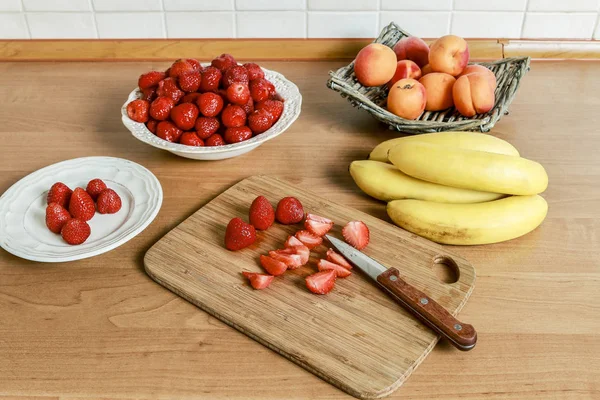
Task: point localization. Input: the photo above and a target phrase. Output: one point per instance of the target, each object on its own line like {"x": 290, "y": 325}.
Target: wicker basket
{"x": 508, "y": 71}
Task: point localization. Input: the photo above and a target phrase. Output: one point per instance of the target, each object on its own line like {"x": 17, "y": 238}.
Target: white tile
{"x": 481, "y": 24}
{"x": 341, "y": 5}
{"x": 267, "y": 5}
{"x": 13, "y": 26}
{"x": 496, "y": 5}
{"x": 559, "y": 26}
{"x": 424, "y": 24}
{"x": 198, "y": 5}
{"x": 200, "y": 25}
{"x": 271, "y": 24}
{"x": 57, "y": 5}
{"x": 342, "y": 25}
{"x": 597, "y": 32}
{"x": 129, "y": 5}
{"x": 10, "y": 5}
{"x": 570, "y": 5}
{"x": 124, "y": 25}
{"x": 61, "y": 25}
{"x": 432, "y": 5}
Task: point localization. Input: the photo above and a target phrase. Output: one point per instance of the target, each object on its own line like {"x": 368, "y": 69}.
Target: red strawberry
{"x": 233, "y": 116}
{"x": 340, "y": 271}
{"x": 292, "y": 261}
{"x": 191, "y": 139}
{"x": 259, "y": 89}
{"x": 235, "y": 73}
{"x": 149, "y": 94}
{"x": 190, "y": 98}
{"x": 262, "y": 214}
{"x": 258, "y": 281}
{"x": 168, "y": 88}
{"x": 321, "y": 282}
{"x": 95, "y": 187}
{"x": 138, "y": 109}
{"x": 356, "y": 234}
{"x": 260, "y": 121}
{"x": 151, "y": 125}
{"x": 207, "y": 126}
{"x": 236, "y": 135}
{"x": 166, "y": 130}
{"x": 211, "y": 77}
{"x": 109, "y": 202}
{"x": 249, "y": 106}
{"x": 289, "y": 211}
{"x": 338, "y": 259}
{"x": 81, "y": 205}
{"x": 210, "y": 104}
{"x": 272, "y": 266}
{"x": 308, "y": 239}
{"x": 274, "y": 107}
{"x": 56, "y": 217}
{"x": 181, "y": 67}
{"x": 190, "y": 82}
{"x": 59, "y": 193}
{"x": 303, "y": 252}
{"x": 317, "y": 225}
{"x": 150, "y": 79}
{"x": 293, "y": 241}
{"x": 161, "y": 108}
{"x": 195, "y": 64}
{"x": 75, "y": 231}
{"x": 239, "y": 234}
{"x": 223, "y": 62}
{"x": 254, "y": 71}
{"x": 238, "y": 93}
{"x": 184, "y": 115}
{"x": 215, "y": 140}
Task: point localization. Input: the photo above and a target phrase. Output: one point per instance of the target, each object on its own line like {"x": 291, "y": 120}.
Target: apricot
{"x": 407, "y": 99}
{"x": 375, "y": 65}
{"x": 405, "y": 69}
{"x": 439, "y": 90}
{"x": 449, "y": 54}
{"x": 414, "y": 49}
{"x": 471, "y": 69}
{"x": 473, "y": 94}
{"x": 426, "y": 70}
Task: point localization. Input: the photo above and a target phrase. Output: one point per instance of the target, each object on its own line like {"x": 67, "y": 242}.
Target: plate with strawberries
{"x": 78, "y": 209}
{"x": 211, "y": 111}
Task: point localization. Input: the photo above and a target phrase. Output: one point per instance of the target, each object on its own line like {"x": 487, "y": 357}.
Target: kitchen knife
{"x": 461, "y": 335}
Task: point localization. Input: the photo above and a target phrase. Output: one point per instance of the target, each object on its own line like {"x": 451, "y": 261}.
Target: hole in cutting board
{"x": 445, "y": 269}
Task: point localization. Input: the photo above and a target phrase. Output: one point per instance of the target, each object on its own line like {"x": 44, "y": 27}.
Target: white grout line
{"x": 164, "y": 19}
{"x": 451, "y": 17}
{"x": 523, "y": 22}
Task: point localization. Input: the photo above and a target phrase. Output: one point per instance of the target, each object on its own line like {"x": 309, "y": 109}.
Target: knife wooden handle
{"x": 461, "y": 335}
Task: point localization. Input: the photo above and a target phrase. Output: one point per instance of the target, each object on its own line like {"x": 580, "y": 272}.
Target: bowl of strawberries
{"x": 211, "y": 111}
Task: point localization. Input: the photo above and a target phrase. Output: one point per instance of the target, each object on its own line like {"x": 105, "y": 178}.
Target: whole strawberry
{"x": 184, "y": 115}
{"x": 95, "y": 187}
{"x": 223, "y": 62}
{"x": 211, "y": 77}
{"x": 150, "y": 79}
{"x": 236, "y": 135}
{"x": 236, "y": 73}
{"x": 239, "y": 234}
{"x": 238, "y": 93}
{"x": 138, "y": 109}
{"x": 108, "y": 202}
{"x": 210, "y": 104}
{"x": 75, "y": 231}
{"x": 206, "y": 127}
{"x": 274, "y": 107}
{"x": 190, "y": 82}
{"x": 215, "y": 140}
{"x": 254, "y": 71}
{"x": 233, "y": 116}
{"x": 167, "y": 131}
{"x": 289, "y": 211}
{"x": 56, "y": 217}
{"x": 262, "y": 214}
{"x": 181, "y": 67}
{"x": 260, "y": 121}
{"x": 161, "y": 108}
{"x": 59, "y": 193}
{"x": 168, "y": 88}
{"x": 81, "y": 205}
{"x": 191, "y": 139}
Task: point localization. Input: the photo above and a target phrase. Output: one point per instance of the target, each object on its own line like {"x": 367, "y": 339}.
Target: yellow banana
{"x": 463, "y": 140}
{"x": 386, "y": 182}
{"x": 467, "y": 224}
{"x": 469, "y": 169}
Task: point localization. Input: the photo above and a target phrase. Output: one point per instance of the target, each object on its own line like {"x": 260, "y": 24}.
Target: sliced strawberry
{"x": 318, "y": 218}
{"x": 338, "y": 259}
{"x": 308, "y": 239}
{"x": 317, "y": 228}
{"x": 340, "y": 271}
{"x": 321, "y": 282}
{"x": 292, "y": 261}
{"x": 293, "y": 241}
{"x": 258, "y": 281}
{"x": 356, "y": 234}
{"x": 272, "y": 266}
{"x": 303, "y": 252}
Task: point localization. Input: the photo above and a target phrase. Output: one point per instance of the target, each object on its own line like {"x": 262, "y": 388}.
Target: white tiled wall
{"x": 110, "y": 19}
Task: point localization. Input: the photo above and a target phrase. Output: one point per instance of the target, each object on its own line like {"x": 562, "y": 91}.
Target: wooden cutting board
{"x": 355, "y": 337}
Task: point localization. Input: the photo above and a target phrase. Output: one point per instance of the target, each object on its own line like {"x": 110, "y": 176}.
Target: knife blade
{"x": 462, "y": 336}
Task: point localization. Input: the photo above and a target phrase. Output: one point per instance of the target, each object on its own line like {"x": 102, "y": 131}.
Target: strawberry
{"x": 254, "y": 71}
{"x": 207, "y": 126}
{"x": 274, "y": 107}
{"x": 211, "y": 77}
{"x": 191, "y": 139}
{"x": 321, "y": 282}
{"x": 293, "y": 241}
{"x": 233, "y": 116}
{"x": 210, "y": 104}
{"x": 262, "y": 214}
{"x": 308, "y": 239}
{"x": 190, "y": 82}
{"x": 340, "y": 271}
{"x": 292, "y": 261}
{"x": 190, "y": 98}
{"x": 184, "y": 115}
{"x": 149, "y": 94}
{"x": 109, "y": 202}
{"x": 75, "y": 231}
{"x": 138, "y": 109}
{"x": 56, "y": 217}
{"x": 238, "y": 93}
{"x": 151, "y": 125}
{"x": 235, "y": 73}
{"x": 259, "y": 121}
{"x": 239, "y": 234}
{"x": 259, "y": 89}
{"x": 356, "y": 234}
{"x": 272, "y": 266}
{"x": 59, "y": 193}
{"x": 258, "y": 281}
{"x": 289, "y": 211}
{"x": 81, "y": 205}
{"x": 215, "y": 140}
{"x": 223, "y": 62}
{"x": 236, "y": 135}
{"x": 317, "y": 225}
{"x": 338, "y": 259}
{"x": 168, "y": 88}
{"x": 302, "y": 251}
{"x": 195, "y": 64}
{"x": 150, "y": 79}
{"x": 161, "y": 108}
{"x": 181, "y": 67}
{"x": 249, "y": 106}
{"x": 166, "y": 130}
{"x": 95, "y": 187}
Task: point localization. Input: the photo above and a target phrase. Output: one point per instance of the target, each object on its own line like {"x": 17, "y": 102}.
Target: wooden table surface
{"x": 101, "y": 328}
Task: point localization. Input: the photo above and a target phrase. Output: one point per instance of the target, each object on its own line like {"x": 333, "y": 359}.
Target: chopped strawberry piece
{"x": 318, "y": 218}
{"x": 338, "y": 259}
{"x": 308, "y": 239}
{"x": 258, "y": 281}
{"x": 293, "y": 241}
{"x": 292, "y": 261}
{"x": 321, "y": 282}
{"x": 303, "y": 252}
{"x": 340, "y": 271}
{"x": 356, "y": 234}
{"x": 272, "y": 266}
{"x": 318, "y": 226}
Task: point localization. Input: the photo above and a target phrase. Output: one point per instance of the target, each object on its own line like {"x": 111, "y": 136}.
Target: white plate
{"x": 291, "y": 110}
{"x": 23, "y": 230}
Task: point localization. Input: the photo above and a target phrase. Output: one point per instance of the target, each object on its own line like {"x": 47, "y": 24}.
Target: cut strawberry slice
{"x": 303, "y": 252}
{"x": 258, "y": 281}
{"x": 321, "y": 282}
{"x": 356, "y": 234}
{"x": 292, "y": 261}
{"x": 293, "y": 241}
{"x": 340, "y": 271}
{"x": 338, "y": 259}
{"x": 308, "y": 239}
{"x": 318, "y": 218}
{"x": 272, "y": 266}
{"x": 317, "y": 225}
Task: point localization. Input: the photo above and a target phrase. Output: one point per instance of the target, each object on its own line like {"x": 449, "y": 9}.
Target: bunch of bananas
{"x": 455, "y": 187}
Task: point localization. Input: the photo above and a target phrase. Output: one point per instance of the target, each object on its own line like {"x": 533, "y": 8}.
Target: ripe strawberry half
{"x": 292, "y": 261}
{"x": 239, "y": 234}
{"x": 317, "y": 225}
{"x": 338, "y": 259}
{"x": 273, "y": 266}
{"x": 258, "y": 281}
{"x": 308, "y": 239}
{"x": 59, "y": 193}
{"x": 293, "y": 241}
{"x": 262, "y": 214}
{"x": 340, "y": 271}
{"x": 321, "y": 282}
{"x": 356, "y": 234}
{"x": 81, "y": 205}
{"x": 56, "y": 217}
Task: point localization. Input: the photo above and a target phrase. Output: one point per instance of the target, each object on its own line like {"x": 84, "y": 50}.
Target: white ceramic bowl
{"x": 291, "y": 110}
